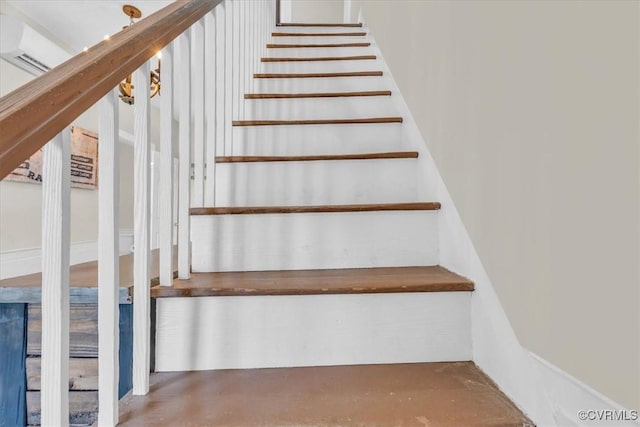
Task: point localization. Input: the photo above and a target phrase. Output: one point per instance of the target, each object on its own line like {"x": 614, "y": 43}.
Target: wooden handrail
{"x": 33, "y": 114}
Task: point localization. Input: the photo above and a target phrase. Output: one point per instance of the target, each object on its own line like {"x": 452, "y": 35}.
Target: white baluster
{"x": 55, "y": 281}
{"x": 265, "y": 28}
{"x": 256, "y": 43}
{"x": 249, "y": 53}
{"x": 197, "y": 87}
{"x": 346, "y": 13}
{"x": 251, "y": 31}
{"x": 236, "y": 64}
{"x": 220, "y": 75}
{"x": 255, "y": 21}
{"x": 174, "y": 203}
{"x": 267, "y": 25}
{"x": 210, "y": 82}
{"x": 184, "y": 79}
{"x": 228, "y": 77}
{"x": 142, "y": 236}
{"x": 166, "y": 167}
{"x": 260, "y": 20}
{"x": 252, "y": 44}
{"x": 108, "y": 261}
{"x": 272, "y": 14}
{"x": 242, "y": 60}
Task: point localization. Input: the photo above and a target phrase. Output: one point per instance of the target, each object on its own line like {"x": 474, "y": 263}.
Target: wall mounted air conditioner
{"x": 28, "y": 49}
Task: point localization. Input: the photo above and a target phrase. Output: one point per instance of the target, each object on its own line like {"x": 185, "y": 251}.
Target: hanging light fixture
{"x": 126, "y": 86}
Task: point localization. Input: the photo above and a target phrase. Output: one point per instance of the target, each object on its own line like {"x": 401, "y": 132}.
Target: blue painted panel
{"x": 13, "y": 344}
{"x": 13, "y": 376}
{"x": 126, "y": 349}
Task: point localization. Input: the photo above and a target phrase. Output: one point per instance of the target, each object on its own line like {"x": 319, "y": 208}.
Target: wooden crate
{"x": 83, "y": 362}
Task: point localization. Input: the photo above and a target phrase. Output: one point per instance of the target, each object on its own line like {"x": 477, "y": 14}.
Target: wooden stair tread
{"x": 317, "y": 282}
{"x": 316, "y": 94}
{"x": 321, "y": 58}
{"x": 317, "y": 122}
{"x": 311, "y": 24}
{"x": 287, "y": 46}
{"x": 284, "y": 34}
{"x": 369, "y": 207}
{"x": 316, "y": 75}
{"x": 363, "y": 156}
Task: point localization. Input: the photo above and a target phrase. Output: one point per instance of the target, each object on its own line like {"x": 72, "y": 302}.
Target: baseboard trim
{"x": 570, "y": 395}
{"x": 27, "y": 261}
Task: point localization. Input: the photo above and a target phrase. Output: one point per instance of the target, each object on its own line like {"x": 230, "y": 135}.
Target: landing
{"x": 424, "y": 394}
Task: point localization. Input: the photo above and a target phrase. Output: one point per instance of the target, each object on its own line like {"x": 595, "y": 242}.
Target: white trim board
{"x": 570, "y": 395}
{"x": 27, "y": 261}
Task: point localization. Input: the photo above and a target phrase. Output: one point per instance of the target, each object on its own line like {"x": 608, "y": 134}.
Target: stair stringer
{"x": 496, "y": 349}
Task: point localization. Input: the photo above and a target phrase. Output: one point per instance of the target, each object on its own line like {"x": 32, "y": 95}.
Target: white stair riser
{"x": 320, "y": 108}
{"x": 318, "y": 29}
{"x": 316, "y": 182}
{"x": 314, "y": 240}
{"x": 318, "y": 40}
{"x": 329, "y": 139}
{"x": 274, "y": 147}
{"x": 320, "y": 66}
{"x": 284, "y": 331}
{"x": 320, "y": 84}
{"x": 311, "y": 52}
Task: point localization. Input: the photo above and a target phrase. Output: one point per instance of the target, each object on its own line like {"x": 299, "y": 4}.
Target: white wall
{"x": 319, "y": 11}
{"x": 530, "y": 110}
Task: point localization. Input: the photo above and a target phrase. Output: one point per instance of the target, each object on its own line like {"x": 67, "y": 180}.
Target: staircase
{"x": 322, "y": 246}
{"x": 323, "y": 261}
{"x": 322, "y": 249}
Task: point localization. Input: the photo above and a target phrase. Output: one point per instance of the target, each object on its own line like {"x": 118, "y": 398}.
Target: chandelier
{"x": 126, "y": 86}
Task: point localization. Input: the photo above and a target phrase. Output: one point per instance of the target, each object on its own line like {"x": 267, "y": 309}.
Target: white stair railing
{"x": 218, "y": 55}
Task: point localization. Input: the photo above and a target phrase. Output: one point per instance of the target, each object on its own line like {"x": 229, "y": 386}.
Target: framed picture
{"x": 84, "y": 162}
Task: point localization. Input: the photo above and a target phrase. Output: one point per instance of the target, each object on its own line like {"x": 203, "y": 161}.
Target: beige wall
{"x": 20, "y": 203}
{"x": 327, "y": 11}
{"x": 530, "y": 110}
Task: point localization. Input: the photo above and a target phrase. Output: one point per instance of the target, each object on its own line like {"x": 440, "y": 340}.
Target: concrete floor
{"x": 422, "y": 394}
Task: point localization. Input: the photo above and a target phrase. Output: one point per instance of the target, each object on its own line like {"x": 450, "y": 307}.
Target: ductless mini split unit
{"x": 28, "y": 49}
